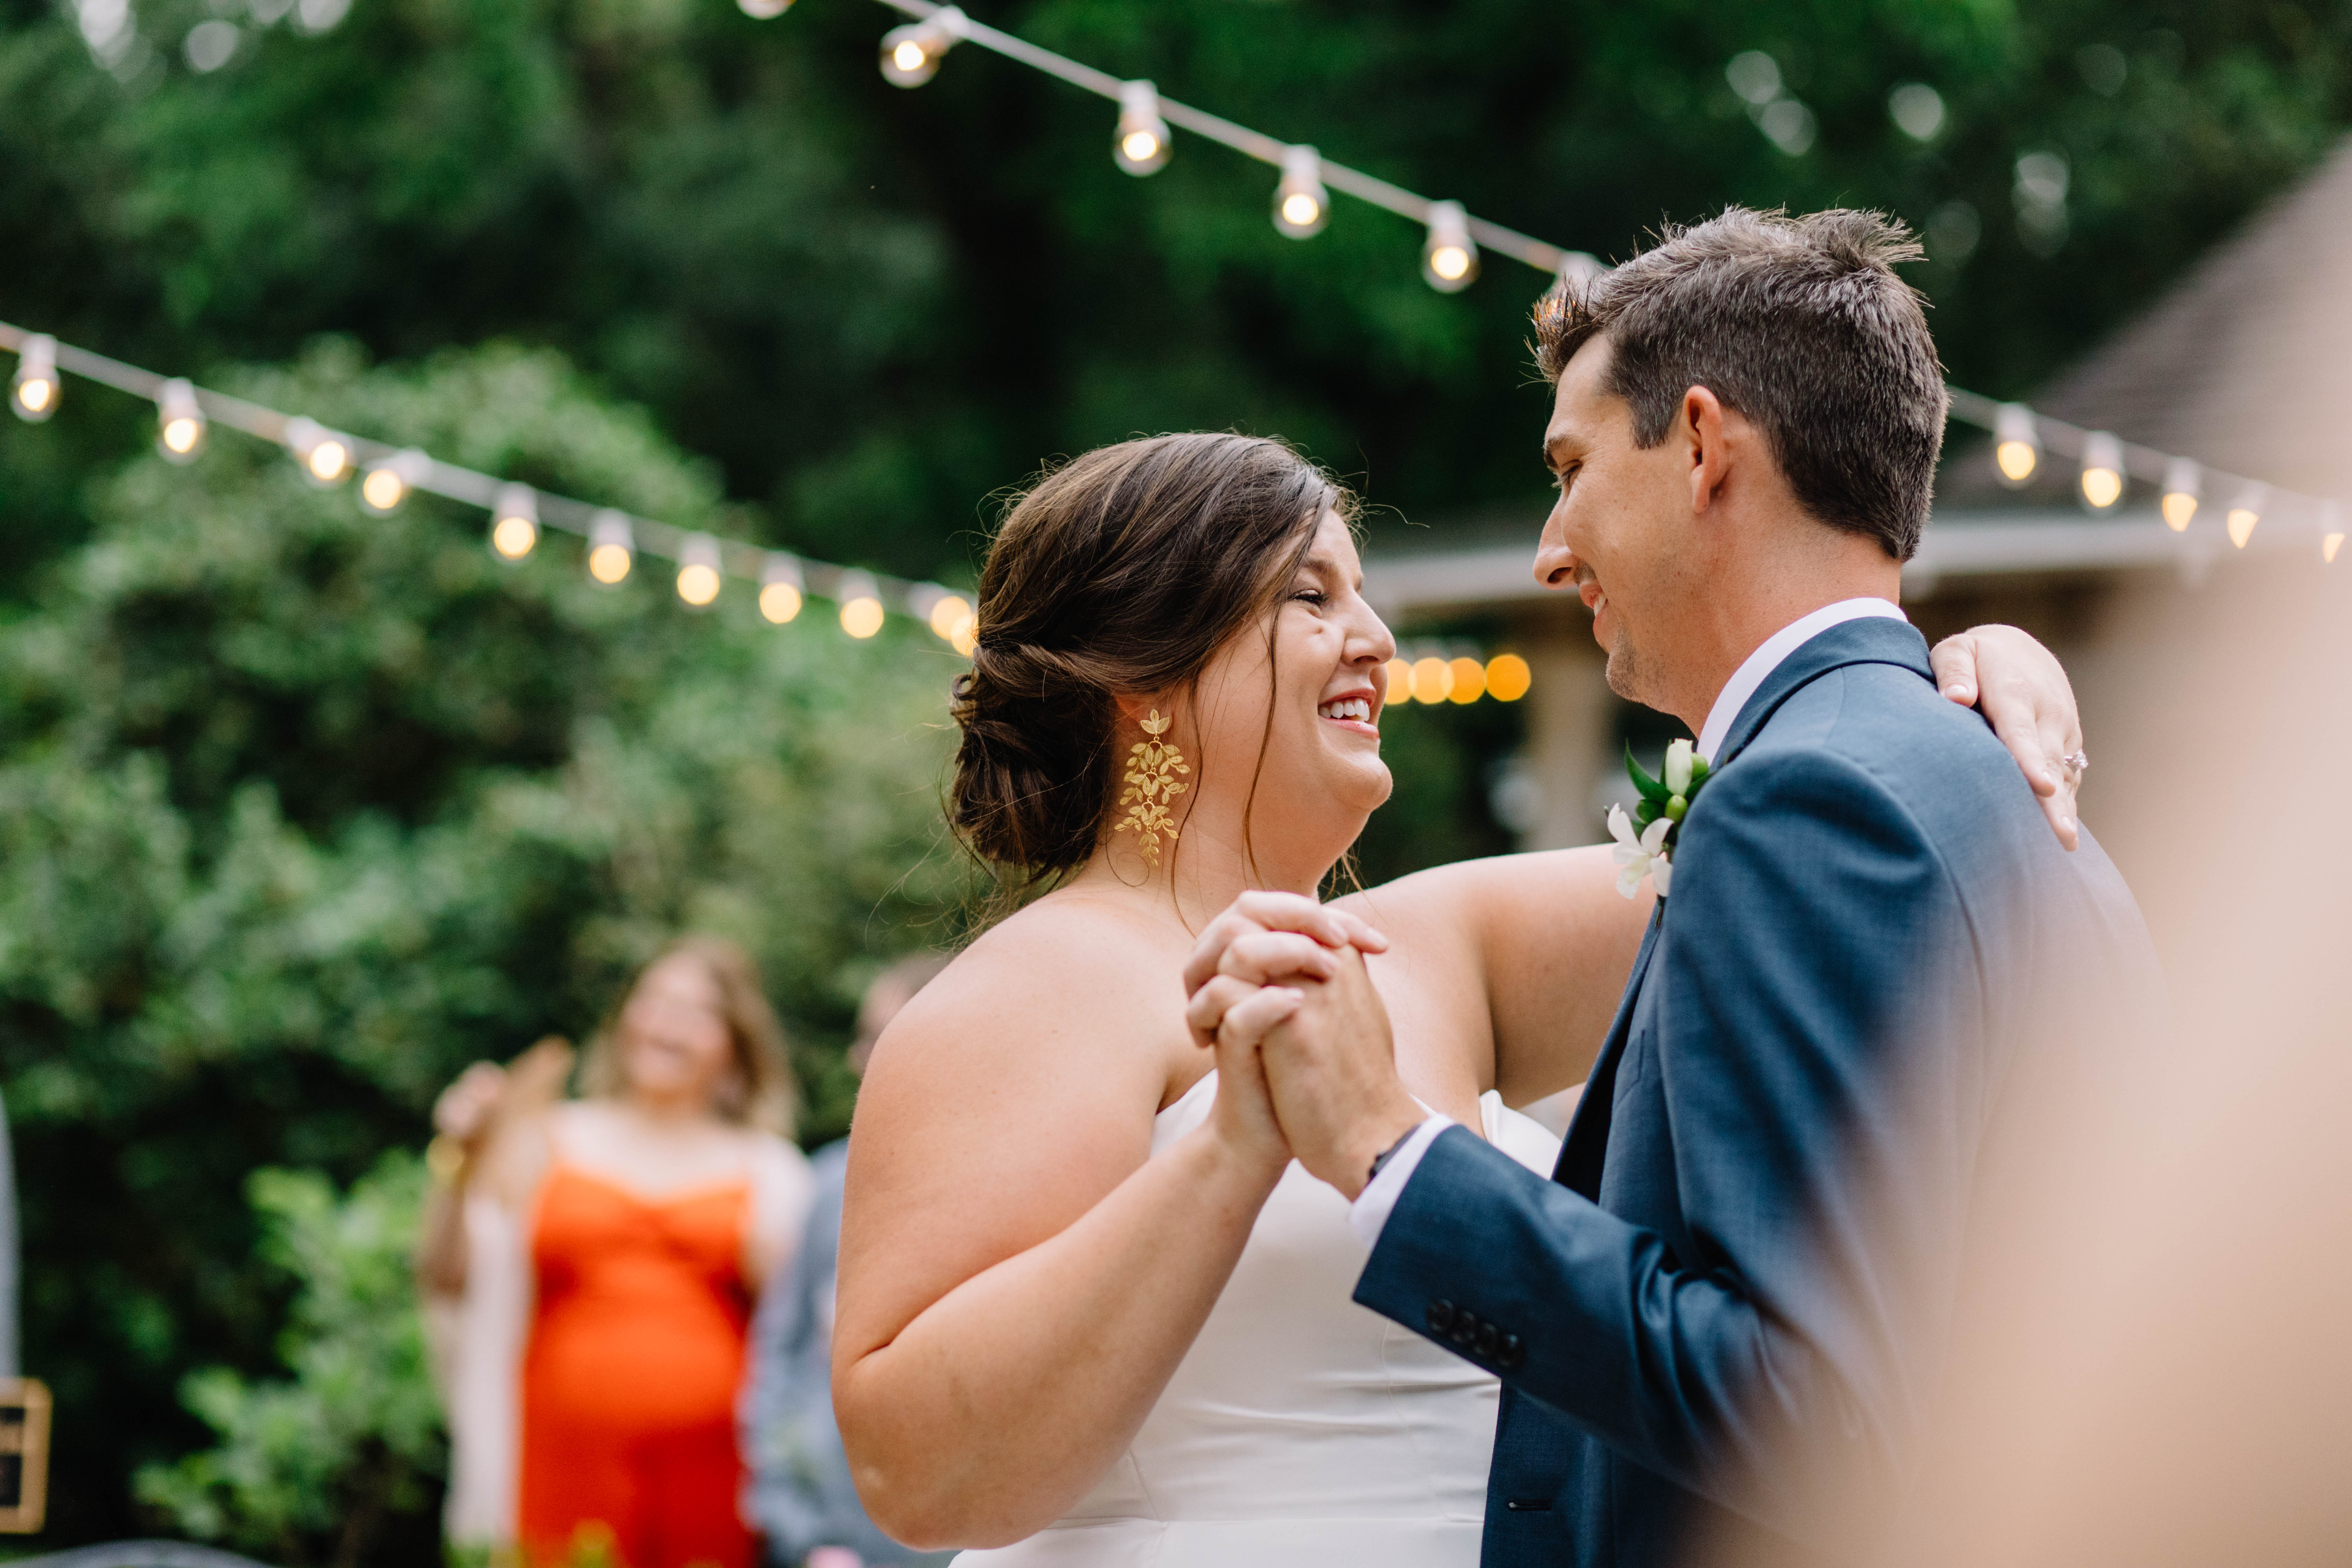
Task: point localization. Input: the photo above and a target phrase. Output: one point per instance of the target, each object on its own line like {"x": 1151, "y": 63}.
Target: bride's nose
{"x": 1370, "y": 643}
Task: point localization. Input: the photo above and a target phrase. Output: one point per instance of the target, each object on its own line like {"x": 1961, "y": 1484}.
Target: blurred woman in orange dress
{"x": 597, "y": 1260}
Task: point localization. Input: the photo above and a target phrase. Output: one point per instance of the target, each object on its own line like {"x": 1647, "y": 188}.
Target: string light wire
{"x": 530, "y": 511}
{"x": 1452, "y": 239}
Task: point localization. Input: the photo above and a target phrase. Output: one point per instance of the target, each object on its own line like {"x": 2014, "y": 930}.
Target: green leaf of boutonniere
{"x": 1652, "y": 789}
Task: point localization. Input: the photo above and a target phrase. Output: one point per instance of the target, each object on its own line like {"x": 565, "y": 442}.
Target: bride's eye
{"x": 1312, "y": 597}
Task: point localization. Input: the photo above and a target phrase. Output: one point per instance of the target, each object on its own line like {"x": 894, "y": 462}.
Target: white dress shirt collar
{"x": 1767, "y": 656}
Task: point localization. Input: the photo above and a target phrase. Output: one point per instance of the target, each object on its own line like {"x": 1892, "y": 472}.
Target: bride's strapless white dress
{"x": 1301, "y": 1429}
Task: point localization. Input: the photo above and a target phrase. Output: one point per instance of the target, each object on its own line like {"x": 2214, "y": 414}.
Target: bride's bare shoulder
{"x": 1069, "y": 989}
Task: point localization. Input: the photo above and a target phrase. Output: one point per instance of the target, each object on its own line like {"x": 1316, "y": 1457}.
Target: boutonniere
{"x": 1646, "y": 845}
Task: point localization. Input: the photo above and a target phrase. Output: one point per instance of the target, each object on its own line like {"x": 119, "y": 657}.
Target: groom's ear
{"x": 1700, "y": 426}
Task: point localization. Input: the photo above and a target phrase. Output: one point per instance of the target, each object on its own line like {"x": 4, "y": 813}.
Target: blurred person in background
{"x": 592, "y": 1266}
{"x": 800, "y": 1493}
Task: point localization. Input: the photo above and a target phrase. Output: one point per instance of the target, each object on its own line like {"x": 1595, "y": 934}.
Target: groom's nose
{"x": 1555, "y": 564}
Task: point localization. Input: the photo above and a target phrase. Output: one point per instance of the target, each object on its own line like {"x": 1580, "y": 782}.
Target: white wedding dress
{"x": 1300, "y": 1428}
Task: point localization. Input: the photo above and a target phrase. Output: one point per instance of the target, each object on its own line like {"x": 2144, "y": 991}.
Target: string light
{"x": 2017, "y": 448}
{"x": 2103, "y": 472}
{"x": 388, "y": 476}
{"x": 861, "y": 605}
{"x": 1449, "y": 259}
{"x": 1432, "y": 680}
{"x": 780, "y": 588}
{"x": 912, "y": 54}
{"x": 2331, "y": 531}
{"x": 1400, "y": 688}
{"x": 612, "y": 547}
{"x": 2246, "y": 512}
{"x": 388, "y": 481}
{"x": 35, "y": 391}
{"x": 1468, "y": 680}
{"x": 946, "y": 613}
{"x": 514, "y": 522}
{"x": 2182, "y": 482}
{"x": 966, "y": 638}
{"x": 1301, "y": 205}
{"x": 1140, "y": 144}
{"x": 324, "y": 457}
{"x": 179, "y": 423}
{"x": 1508, "y": 678}
{"x": 698, "y": 575}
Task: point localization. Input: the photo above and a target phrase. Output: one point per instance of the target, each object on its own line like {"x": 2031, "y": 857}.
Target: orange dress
{"x": 630, "y": 1374}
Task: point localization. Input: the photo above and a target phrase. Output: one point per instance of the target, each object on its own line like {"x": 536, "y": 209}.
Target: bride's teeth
{"x": 1356, "y": 708}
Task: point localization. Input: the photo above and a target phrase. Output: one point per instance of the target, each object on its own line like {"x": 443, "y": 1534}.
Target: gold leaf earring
{"x": 1153, "y": 766}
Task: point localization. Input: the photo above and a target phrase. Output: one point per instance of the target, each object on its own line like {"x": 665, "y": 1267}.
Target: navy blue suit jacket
{"x": 1749, "y": 1250}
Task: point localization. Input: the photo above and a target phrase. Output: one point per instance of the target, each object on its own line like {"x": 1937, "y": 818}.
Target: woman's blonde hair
{"x": 759, "y": 1092}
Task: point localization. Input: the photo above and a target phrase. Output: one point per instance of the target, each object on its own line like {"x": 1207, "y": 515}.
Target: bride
{"x": 1089, "y": 1311}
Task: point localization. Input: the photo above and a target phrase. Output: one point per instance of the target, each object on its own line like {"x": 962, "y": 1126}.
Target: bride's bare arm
{"x": 1019, "y": 1278}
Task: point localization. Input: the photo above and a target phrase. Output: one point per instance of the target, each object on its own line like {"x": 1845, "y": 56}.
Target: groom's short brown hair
{"x": 1801, "y": 324}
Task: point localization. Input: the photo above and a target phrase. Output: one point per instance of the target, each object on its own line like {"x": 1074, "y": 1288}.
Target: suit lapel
{"x": 1579, "y": 1166}
{"x": 1873, "y": 640}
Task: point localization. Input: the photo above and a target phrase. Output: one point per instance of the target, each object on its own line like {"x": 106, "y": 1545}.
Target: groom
{"x": 1744, "y": 1265}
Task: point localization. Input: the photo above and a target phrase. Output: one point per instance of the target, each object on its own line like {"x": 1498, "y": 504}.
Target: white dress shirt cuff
{"x": 1369, "y": 1215}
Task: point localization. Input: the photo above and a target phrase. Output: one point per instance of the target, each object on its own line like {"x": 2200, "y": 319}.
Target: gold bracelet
{"x": 445, "y": 1159}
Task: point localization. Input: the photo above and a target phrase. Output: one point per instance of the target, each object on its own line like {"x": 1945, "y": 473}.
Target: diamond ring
{"x": 2077, "y": 763}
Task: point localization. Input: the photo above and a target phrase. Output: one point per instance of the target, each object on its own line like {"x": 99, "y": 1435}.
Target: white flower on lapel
{"x": 1645, "y": 855}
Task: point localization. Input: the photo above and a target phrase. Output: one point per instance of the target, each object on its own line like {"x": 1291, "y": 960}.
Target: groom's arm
{"x": 1815, "y": 971}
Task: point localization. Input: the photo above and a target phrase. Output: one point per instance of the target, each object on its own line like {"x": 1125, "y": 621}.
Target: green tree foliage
{"x": 303, "y": 810}
{"x": 874, "y": 307}
{"x": 342, "y": 1459}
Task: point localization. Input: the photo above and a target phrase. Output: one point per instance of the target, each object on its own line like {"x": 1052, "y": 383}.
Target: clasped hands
{"x": 1305, "y": 1065}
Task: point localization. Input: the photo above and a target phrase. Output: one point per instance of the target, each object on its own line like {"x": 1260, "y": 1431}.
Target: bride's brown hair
{"x": 1122, "y": 571}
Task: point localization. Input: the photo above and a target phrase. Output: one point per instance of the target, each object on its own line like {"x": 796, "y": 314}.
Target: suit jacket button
{"x": 1465, "y": 1329}
{"x": 1513, "y": 1354}
{"x": 1489, "y": 1341}
{"x": 1440, "y": 1317}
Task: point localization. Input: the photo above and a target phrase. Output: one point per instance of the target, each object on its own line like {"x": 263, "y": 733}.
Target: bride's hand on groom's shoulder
{"x": 2023, "y": 692}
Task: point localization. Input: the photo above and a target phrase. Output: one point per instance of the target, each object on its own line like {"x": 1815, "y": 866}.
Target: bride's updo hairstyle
{"x": 1124, "y": 570}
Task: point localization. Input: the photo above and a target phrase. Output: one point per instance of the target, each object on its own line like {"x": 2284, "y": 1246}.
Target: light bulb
{"x": 950, "y": 615}
{"x": 1469, "y": 680}
{"x": 2103, "y": 472}
{"x": 2182, "y": 480}
{"x": 2245, "y": 514}
{"x": 514, "y": 522}
{"x": 180, "y": 424}
{"x": 966, "y": 638}
{"x": 387, "y": 482}
{"x": 764, "y": 10}
{"x": 780, "y": 588}
{"x": 1449, "y": 259}
{"x": 1140, "y": 146}
{"x": 1400, "y": 689}
{"x": 33, "y": 392}
{"x": 1432, "y": 680}
{"x": 324, "y": 457}
{"x": 1301, "y": 205}
{"x": 698, "y": 574}
{"x": 912, "y": 54}
{"x": 2017, "y": 448}
{"x": 612, "y": 547}
{"x": 861, "y": 605}
{"x": 1507, "y": 678}
{"x": 2331, "y": 531}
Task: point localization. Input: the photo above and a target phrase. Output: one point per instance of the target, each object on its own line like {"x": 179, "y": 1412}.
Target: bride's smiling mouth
{"x": 1356, "y": 711}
